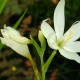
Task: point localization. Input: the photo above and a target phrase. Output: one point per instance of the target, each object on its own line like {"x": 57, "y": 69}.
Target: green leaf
{"x": 2, "y": 5}
{"x": 1, "y": 46}
{"x": 36, "y": 46}
{"x": 15, "y": 26}
{"x": 20, "y": 19}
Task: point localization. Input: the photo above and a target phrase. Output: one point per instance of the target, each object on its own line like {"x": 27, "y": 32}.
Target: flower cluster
{"x": 65, "y": 43}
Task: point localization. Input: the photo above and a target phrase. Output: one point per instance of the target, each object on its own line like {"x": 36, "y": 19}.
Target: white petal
{"x": 59, "y": 19}
{"x": 70, "y": 55}
{"x": 12, "y": 31}
{"x": 47, "y": 29}
{"x": 21, "y": 49}
{"x": 72, "y": 46}
{"x": 21, "y": 40}
{"x": 52, "y": 42}
{"x": 4, "y": 33}
{"x": 73, "y": 33}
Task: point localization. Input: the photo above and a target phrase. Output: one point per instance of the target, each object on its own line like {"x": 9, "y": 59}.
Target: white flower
{"x": 14, "y": 40}
{"x": 66, "y": 44}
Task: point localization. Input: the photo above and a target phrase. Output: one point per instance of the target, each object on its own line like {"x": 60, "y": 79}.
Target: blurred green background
{"x": 16, "y": 67}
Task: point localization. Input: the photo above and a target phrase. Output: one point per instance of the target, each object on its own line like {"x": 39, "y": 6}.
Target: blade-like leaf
{"x": 1, "y": 46}
{"x": 20, "y": 19}
{"x": 36, "y": 46}
{"x": 2, "y": 5}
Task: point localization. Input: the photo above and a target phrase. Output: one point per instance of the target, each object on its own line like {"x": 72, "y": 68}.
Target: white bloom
{"x": 14, "y": 40}
{"x": 66, "y": 44}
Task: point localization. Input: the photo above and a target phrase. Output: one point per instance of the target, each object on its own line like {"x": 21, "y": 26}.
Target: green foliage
{"x": 12, "y": 7}
{"x": 17, "y": 6}
{"x": 20, "y": 19}
{"x": 2, "y": 5}
{"x": 36, "y": 46}
{"x": 1, "y": 46}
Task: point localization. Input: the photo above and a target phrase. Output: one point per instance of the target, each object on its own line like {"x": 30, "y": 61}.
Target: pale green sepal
{"x": 42, "y": 41}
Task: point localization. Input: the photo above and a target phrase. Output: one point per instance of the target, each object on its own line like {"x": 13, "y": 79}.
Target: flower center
{"x": 60, "y": 43}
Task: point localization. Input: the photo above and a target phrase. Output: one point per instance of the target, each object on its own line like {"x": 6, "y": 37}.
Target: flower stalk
{"x": 46, "y": 65}
{"x": 34, "y": 68}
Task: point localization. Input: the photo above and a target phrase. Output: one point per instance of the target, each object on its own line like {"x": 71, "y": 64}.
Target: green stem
{"x": 34, "y": 67}
{"x": 43, "y": 74}
{"x": 46, "y": 65}
{"x": 42, "y": 63}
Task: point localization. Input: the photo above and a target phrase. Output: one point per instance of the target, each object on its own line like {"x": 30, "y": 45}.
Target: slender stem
{"x": 34, "y": 67}
{"x": 46, "y": 65}
{"x": 42, "y": 63}
{"x": 43, "y": 74}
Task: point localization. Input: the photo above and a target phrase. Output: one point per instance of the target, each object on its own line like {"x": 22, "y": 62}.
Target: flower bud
{"x": 42, "y": 40}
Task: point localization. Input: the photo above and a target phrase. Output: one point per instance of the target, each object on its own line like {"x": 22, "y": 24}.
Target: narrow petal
{"x": 73, "y": 33}
{"x": 72, "y": 46}
{"x": 70, "y": 55}
{"x": 4, "y": 33}
{"x": 12, "y": 31}
{"x": 59, "y": 20}
{"x": 52, "y": 42}
{"x": 21, "y": 40}
{"x": 47, "y": 29}
{"x": 21, "y": 49}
